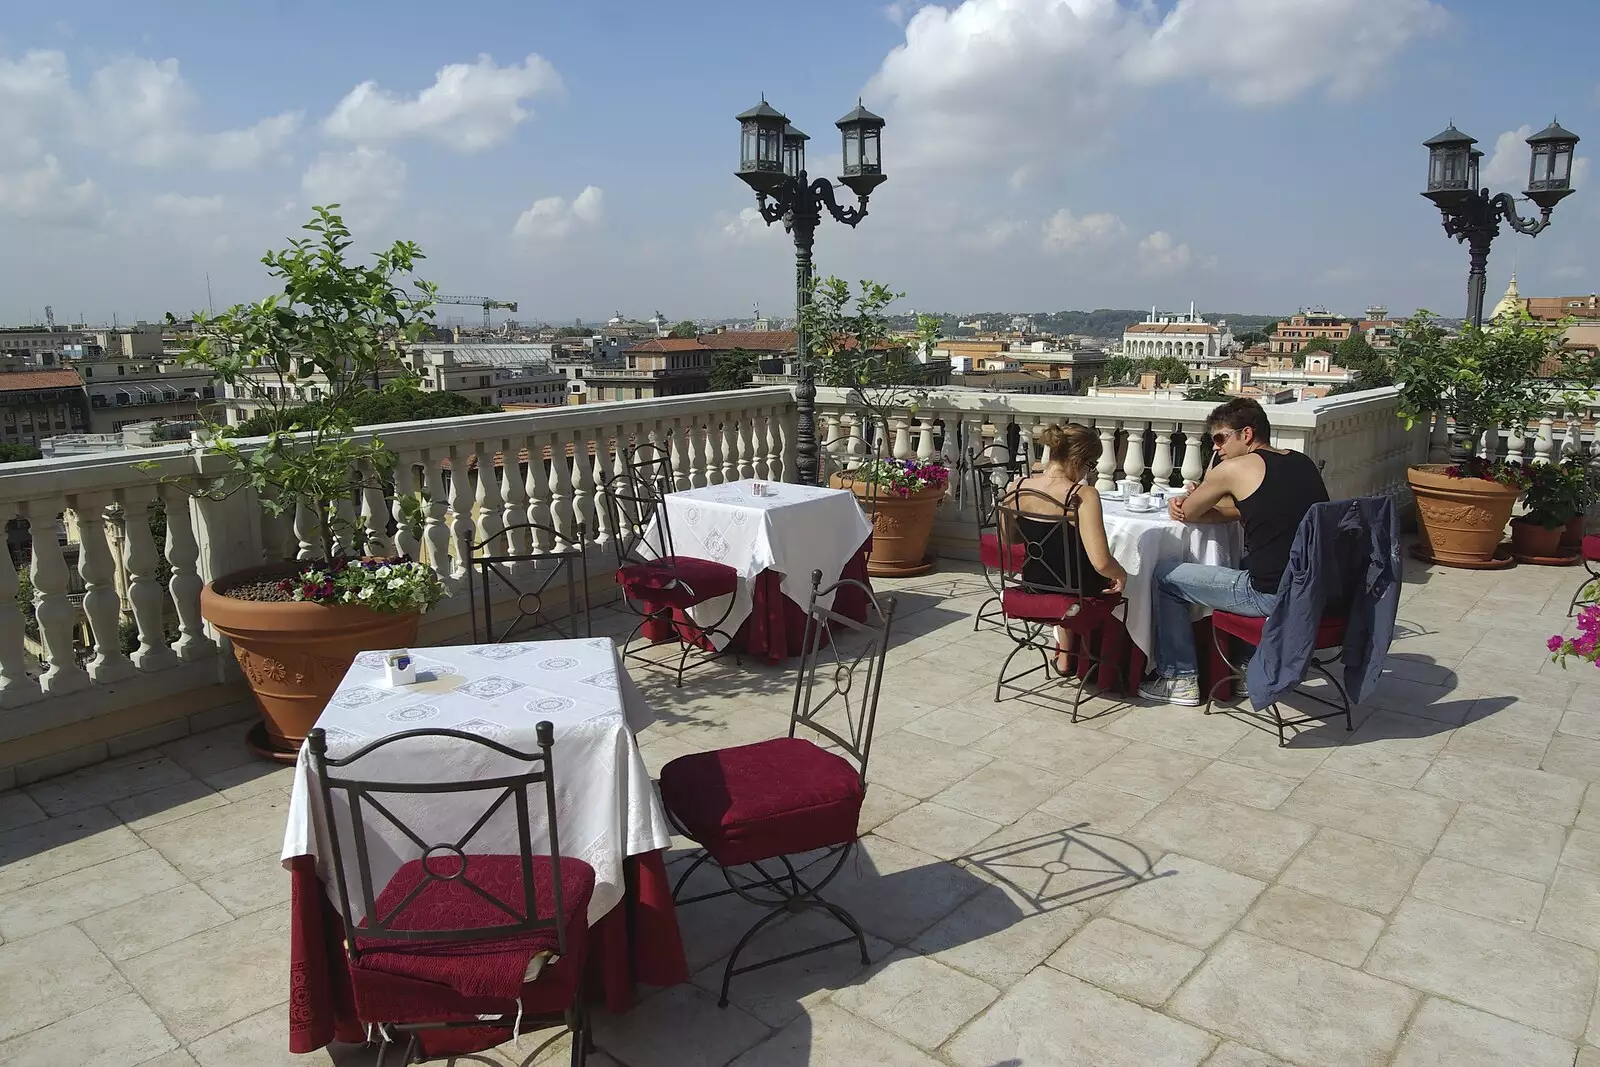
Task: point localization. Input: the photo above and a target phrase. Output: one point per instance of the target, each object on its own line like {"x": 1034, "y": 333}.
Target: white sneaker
{"x": 1184, "y": 692}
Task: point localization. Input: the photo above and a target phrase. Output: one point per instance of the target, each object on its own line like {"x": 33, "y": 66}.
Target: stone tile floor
{"x": 1149, "y": 887}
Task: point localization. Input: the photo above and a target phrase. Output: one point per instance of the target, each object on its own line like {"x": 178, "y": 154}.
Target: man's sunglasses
{"x": 1220, "y": 439}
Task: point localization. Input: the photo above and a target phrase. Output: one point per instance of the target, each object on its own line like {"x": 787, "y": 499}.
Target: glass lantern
{"x": 794, "y": 151}
{"x": 1451, "y": 167}
{"x": 761, "y": 147}
{"x": 1550, "y": 170}
{"x": 861, "y": 131}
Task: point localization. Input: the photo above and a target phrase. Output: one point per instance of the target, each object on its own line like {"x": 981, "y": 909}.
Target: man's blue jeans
{"x": 1179, "y": 585}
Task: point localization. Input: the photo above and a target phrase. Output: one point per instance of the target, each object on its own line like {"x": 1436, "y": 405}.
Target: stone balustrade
{"x": 1363, "y": 446}
{"x": 549, "y": 467}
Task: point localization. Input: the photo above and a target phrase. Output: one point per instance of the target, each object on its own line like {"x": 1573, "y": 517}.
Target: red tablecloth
{"x": 1118, "y": 652}
{"x": 636, "y": 941}
{"x": 776, "y": 628}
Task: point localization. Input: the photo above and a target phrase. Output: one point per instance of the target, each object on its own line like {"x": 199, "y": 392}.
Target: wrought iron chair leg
{"x": 684, "y": 878}
{"x": 733, "y": 957}
{"x": 849, "y": 922}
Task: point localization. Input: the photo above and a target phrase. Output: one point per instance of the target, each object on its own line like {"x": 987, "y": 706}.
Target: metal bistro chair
{"x": 655, "y": 580}
{"x": 527, "y": 577}
{"x": 450, "y": 923}
{"x": 1588, "y": 591}
{"x": 1051, "y": 584}
{"x": 759, "y": 805}
{"x": 845, "y": 460}
{"x": 989, "y": 477}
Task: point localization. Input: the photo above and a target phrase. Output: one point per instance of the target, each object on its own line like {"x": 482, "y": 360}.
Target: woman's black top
{"x": 1271, "y": 515}
{"x": 1056, "y": 557}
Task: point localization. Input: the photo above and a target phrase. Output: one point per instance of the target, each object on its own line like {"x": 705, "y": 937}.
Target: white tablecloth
{"x": 795, "y": 529}
{"x": 1141, "y": 541}
{"x": 606, "y": 807}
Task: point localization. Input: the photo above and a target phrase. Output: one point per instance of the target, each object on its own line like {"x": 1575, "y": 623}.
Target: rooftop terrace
{"x": 1151, "y": 887}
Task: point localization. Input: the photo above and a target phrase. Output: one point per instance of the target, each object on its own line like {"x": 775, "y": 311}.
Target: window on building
{"x": 121, "y": 369}
{"x": 638, "y": 392}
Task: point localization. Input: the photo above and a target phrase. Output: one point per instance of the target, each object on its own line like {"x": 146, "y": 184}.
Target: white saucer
{"x": 1131, "y": 510}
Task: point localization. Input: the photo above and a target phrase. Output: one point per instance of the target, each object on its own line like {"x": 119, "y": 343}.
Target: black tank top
{"x": 1271, "y": 515}
{"x": 1061, "y": 555}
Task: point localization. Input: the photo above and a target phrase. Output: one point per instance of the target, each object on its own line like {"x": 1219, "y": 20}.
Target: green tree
{"x": 852, "y": 348}
{"x": 732, "y": 369}
{"x": 1215, "y": 391}
{"x": 1354, "y": 351}
{"x": 335, "y": 325}
{"x": 685, "y": 328}
{"x": 1250, "y": 338}
{"x": 19, "y": 453}
{"x": 1120, "y": 369}
{"x": 397, "y": 402}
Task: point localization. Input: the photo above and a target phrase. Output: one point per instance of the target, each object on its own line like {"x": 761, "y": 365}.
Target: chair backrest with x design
{"x": 841, "y": 668}
{"x": 1040, "y": 542}
{"x": 637, "y": 513}
{"x": 989, "y": 479}
{"x": 501, "y": 566}
{"x": 442, "y": 861}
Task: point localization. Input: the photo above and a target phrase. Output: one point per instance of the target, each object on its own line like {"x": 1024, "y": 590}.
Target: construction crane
{"x": 484, "y": 302}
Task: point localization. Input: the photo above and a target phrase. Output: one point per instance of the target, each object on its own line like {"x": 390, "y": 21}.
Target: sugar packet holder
{"x": 399, "y": 668}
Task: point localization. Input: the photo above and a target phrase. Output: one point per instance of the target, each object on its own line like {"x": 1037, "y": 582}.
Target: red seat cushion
{"x": 772, "y": 798}
{"x": 989, "y": 553}
{"x": 434, "y": 979}
{"x": 1330, "y": 631}
{"x": 677, "y": 581}
{"x": 1591, "y": 547}
{"x": 1073, "y": 612}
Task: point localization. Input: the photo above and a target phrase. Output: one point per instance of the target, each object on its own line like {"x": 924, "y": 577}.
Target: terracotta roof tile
{"x": 16, "y": 381}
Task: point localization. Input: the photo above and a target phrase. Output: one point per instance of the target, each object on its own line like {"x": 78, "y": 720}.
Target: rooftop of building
{"x": 23, "y": 380}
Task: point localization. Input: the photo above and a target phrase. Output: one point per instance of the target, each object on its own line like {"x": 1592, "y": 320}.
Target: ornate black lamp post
{"x": 772, "y": 161}
{"x": 1472, "y": 215}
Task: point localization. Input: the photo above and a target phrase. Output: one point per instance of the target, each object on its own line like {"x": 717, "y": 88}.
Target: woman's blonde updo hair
{"x": 1074, "y": 446}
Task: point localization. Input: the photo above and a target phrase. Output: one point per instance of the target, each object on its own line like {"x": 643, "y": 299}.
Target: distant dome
{"x": 1510, "y": 305}
{"x": 615, "y": 320}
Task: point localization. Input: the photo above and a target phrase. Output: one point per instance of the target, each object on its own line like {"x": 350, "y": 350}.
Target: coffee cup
{"x": 1141, "y": 502}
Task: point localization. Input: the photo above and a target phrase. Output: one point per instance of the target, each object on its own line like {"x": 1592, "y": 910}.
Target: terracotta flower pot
{"x": 1461, "y": 520}
{"x": 294, "y": 655}
{"x": 900, "y": 529}
{"x": 1572, "y": 533}
{"x": 1532, "y": 540}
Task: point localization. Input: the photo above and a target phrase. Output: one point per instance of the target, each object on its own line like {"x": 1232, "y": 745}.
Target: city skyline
{"x": 1041, "y": 154}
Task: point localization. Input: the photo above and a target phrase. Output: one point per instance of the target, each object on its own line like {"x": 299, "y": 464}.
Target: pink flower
{"x": 1584, "y": 644}
{"x": 1555, "y": 643}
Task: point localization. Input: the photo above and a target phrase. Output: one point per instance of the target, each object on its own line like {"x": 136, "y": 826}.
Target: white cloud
{"x": 366, "y": 182}
{"x": 143, "y": 108}
{"x": 468, "y": 107}
{"x": 1063, "y": 230}
{"x": 1507, "y": 164}
{"x": 187, "y": 207}
{"x": 35, "y": 93}
{"x": 554, "y": 218}
{"x": 1035, "y": 81}
{"x": 898, "y": 11}
{"x": 1160, "y": 254}
{"x": 42, "y": 194}
{"x": 747, "y": 225}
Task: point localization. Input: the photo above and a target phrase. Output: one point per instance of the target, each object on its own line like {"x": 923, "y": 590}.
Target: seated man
{"x": 1268, "y": 490}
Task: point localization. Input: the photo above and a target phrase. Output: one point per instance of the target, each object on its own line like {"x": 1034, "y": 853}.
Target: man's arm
{"x": 1213, "y": 499}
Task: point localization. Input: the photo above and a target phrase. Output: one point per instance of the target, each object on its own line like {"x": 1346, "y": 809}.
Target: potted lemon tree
{"x": 854, "y": 349}
{"x": 302, "y": 356}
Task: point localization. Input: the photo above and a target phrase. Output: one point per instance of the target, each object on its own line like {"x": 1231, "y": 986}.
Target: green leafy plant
{"x": 326, "y": 338}
{"x": 1481, "y": 379}
{"x": 1556, "y": 492}
{"x": 1215, "y": 391}
{"x": 394, "y": 585}
{"x": 853, "y": 348}
{"x": 732, "y": 369}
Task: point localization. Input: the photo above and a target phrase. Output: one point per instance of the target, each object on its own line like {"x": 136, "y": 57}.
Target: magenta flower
{"x": 1555, "y": 643}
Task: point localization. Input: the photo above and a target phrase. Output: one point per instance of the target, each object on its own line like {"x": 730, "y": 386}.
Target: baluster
{"x": 1027, "y": 447}
{"x": 583, "y": 505}
{"x": 342, "y": 521}
{"x": 144, "y": 591}
{"x": 407, "y": 539}
{"x": 17, "y": 687}
{"x": 1194, "y": 447}
{"x": 1439, "y": 439}
{"x": 1516, "y": 444}
{"x": 183, "y": 556}
{"x": 949, "y": 451}
{"x": 375, "y": 539}
{"x": 681, "y": 478}
{"x": 972, "y": 437}
{"x": 1488, "y": 444}
{"x": 1133, "y": 461}
{"x": 435, "y": 530}
{"x": 924, "y": 439}
{"x": 1106, "y": 470}
{"x": 789, "y": 428}
{"x": 758, "y": 422}
{"x": 101, "y": 604}
{"x": 1572, "y": 440}
{"x": 538, "y": 490}
{"x": 602, "y": 474}
{"x": 491, "y": 506}
{"x": 902, "y": 437}
{"x": 561, "y": 489}
{"x": 746, "y": 418}
{"x": 1161, "y": 467}
{"x": 51, "y": 608}
{"x": 699, "y": 452}
{"x": 1544, "y": 442}
{"x": 767, "y": 445}
{"x": 461, "y": 525}
{"x": 513, "y": 496}
{"x": 730, "y": 446}
{"x": 307, "y": 531}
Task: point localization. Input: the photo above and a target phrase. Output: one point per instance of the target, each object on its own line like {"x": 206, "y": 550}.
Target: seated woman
{"x": 1071, "y": 454}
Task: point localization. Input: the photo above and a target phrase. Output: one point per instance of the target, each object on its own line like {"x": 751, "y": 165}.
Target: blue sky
{"x": 1252, "y": 155}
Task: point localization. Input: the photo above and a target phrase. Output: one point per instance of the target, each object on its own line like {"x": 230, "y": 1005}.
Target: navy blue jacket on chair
{"x": 1345, "y": 562}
